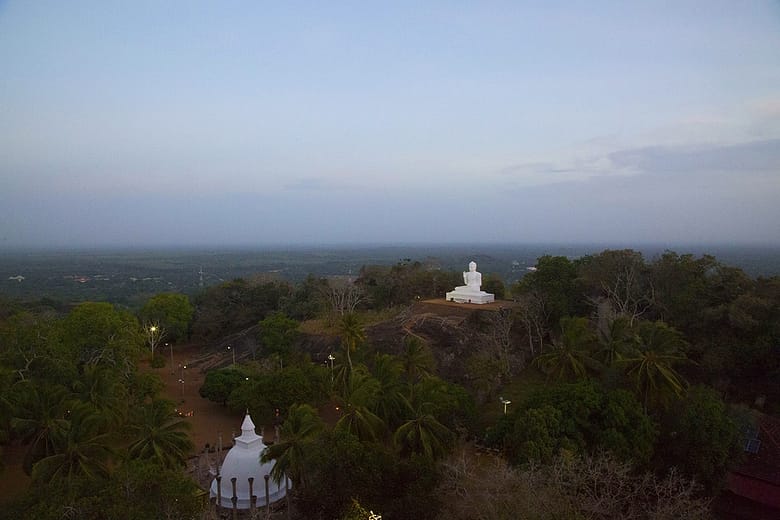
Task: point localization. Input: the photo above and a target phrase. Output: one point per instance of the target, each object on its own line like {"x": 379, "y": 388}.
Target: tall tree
{"x": 423, "y": 435}
{"x": 620, "y": 278}
{"x": 103, "y": 389}
{"x": 159, "y": 434}
{"x": 172, "y": 312}
{"x": 391, "y": 404}
{"x": 278, "y": 334}
{"x": 570, "y": 356}
{"x": 357, "y": 400}
{"x": 299, "y": 430}
{"x": 651, "y": 365}
{"x": 352, "y": 335}
{"x": 416, "y": 359}
{"x": 83, "y": 448}
{"x": 40, "y": 418}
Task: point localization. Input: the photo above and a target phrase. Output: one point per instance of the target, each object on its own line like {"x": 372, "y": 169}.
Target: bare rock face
{"x": 454, "y": 335}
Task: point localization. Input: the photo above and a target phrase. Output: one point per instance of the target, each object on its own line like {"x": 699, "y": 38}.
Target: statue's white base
{"x": 470, "y": 297}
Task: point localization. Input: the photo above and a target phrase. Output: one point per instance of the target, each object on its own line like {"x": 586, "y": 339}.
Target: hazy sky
{"x": 182, "y": 122}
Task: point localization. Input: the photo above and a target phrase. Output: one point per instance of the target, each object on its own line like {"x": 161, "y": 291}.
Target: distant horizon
{"x": 278, "y": 246}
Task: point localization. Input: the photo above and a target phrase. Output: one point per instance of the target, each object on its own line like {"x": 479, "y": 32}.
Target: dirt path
{"x": 208, "y": 419}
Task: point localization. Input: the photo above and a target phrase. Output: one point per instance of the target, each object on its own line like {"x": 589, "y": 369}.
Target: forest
{"x": 605, "y": 386}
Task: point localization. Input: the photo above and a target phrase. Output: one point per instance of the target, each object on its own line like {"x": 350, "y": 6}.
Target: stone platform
{"x": 479, "y": 298}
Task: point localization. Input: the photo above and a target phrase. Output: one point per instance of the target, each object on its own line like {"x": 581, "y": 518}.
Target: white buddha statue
{"x": 471, "y": 292}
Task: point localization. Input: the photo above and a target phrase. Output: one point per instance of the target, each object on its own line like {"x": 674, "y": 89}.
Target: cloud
{"x": 752, "y": 156}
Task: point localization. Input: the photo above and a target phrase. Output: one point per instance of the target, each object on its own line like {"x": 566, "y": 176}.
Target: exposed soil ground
{"x": 208, "y": 419}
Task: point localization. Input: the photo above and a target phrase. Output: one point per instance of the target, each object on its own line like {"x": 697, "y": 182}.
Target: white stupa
{"x": 243, "y": 462}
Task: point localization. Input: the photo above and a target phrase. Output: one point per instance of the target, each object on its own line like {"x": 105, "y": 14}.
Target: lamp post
{"x": 231, "y": 349}
{"x": 181, "y": 380}
{"x": 152, "y": 339}
{"x": 331, "y": 358}
{"x": 170, "y": 345}
{"x": 505, "y": 402}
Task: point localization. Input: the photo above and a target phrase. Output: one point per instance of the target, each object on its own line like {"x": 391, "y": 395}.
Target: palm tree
{"x": 570, "y": 355}
{"x": 302, "y": 426}
{"x": 84, "y": 448}
{"x": 352, "y": 334}
{"x": 358, "y": 398}
{"x": 417, "y": 359}
{"x": 616, "y": 342}
{"x": 159, "y": 434}
{"x": 101, "y": 388}
{"x": 651, "y": 364}
{"x": 41, "y": 416}
{"x": 392, "y": 404}
{"x": 423, "y": 435}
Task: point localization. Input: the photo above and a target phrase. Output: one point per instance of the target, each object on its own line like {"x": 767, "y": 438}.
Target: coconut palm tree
{"x": 570, "y": 355}
{"x": 299, "y": 430}
{"x": 424, "y": 435}
{"x": 158, "y": 433}
{"x": 651, "y": 365}
{"x": 41, "y": 414}
{"x": 102, "y": 389}
{"x": 352, "y": 334}
{"x": 391, "y": 404}
{"x": 616, "y": 342}
{"x": 358, "y": 398}
{"x": 82, "y": 449}
{"x": 416, "y": 359}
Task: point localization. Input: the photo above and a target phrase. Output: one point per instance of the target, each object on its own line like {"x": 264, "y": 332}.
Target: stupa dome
{"x": 243, "y": 462}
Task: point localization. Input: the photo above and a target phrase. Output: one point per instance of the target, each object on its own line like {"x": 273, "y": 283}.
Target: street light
{"x": 182, "y": 389}
{"x": 504, "y": 402}
{"x": 331, "y": 358}
{"x": 170, "y": 345}
{"x": 231, "y": 349}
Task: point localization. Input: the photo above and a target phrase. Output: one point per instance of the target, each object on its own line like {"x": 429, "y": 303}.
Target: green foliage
{"x": 571, "y": 356}
{"x": 159, "y": 434}
{"x": 298, "y": 433}
{"x": 651, "y": 365}
{"x": 578, "y": 418}
{"x": 278, "y": 334}
{"x": 700, "y": 437}
{"x": 306, "y": 300}
{"x": 83, "y": 448}
{"x": 137, "y": 490}
{"x": 417, "y": 359}
{"x": 98, "y": 334}
{"x": 405, "y": 282}
{"x": 494, "y": 285}
{"x": 40, "y": 418}
{"x": 356, "y": 401}
{"x": 352, "y": 334}
{"x": 423, "y": 435}
{"x": 264, "y": 393}
{"x": 219, "y": 384}
{"x": 342, "y": 469}
{"x": 555, "y": 282}
{"x": 158, "y": 361}
{"x": 234, "y": 306}
{"x": 171, "y": 311}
